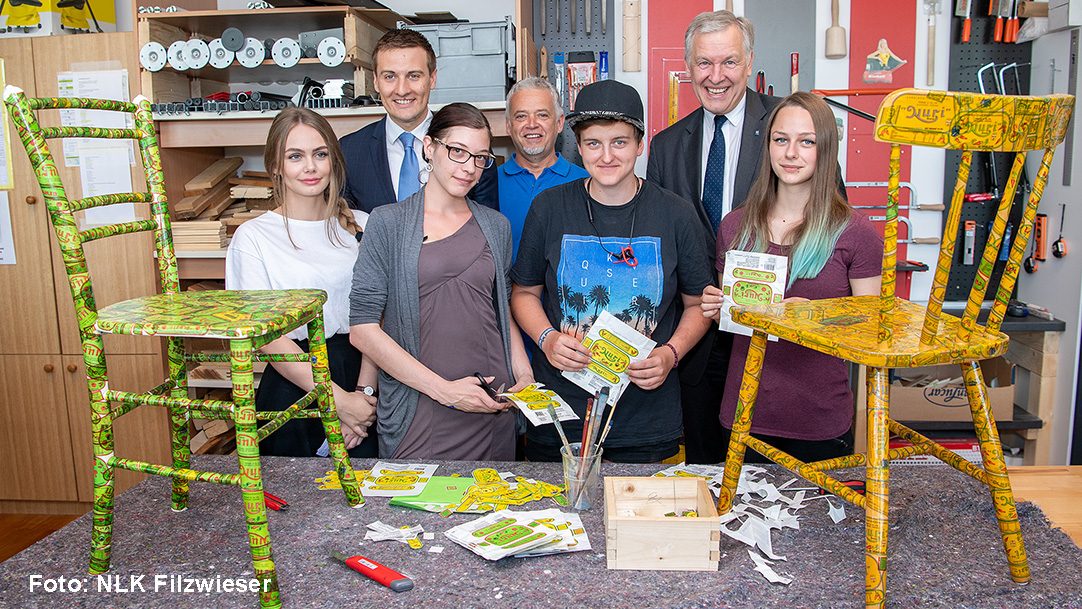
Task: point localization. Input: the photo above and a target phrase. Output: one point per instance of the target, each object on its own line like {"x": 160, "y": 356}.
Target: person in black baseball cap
{"x": 608, "y": 100}
{"x": 611, "y": 243}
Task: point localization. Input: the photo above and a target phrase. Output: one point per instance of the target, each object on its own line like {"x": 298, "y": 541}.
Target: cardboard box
{"x": 639, "y": 535}
{"x": 949, "y": 403}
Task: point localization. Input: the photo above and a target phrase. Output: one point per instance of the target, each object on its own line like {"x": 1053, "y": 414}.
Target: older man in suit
{"x": 711, "y": 157}
{"x": 384, "y": 162}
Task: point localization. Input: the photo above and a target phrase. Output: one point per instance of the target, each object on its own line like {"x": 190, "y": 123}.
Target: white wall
{"x": 1057, "y": 284}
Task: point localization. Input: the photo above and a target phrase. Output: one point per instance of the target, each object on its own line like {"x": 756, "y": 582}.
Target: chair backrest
{"x": 62, "y": 209}
{"x": 969, "y": 122}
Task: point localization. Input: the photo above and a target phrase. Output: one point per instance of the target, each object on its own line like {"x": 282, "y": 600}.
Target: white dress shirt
{"x": 396, "y": 154}
{"x": 732, "y": 130}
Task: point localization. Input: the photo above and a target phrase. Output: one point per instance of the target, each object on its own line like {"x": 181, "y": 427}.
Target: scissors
{"x": 489, "y": 389}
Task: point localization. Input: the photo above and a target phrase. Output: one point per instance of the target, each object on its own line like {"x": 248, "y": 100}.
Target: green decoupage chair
{"x": 247, "y": 319}
{"x": 884, "y": 332}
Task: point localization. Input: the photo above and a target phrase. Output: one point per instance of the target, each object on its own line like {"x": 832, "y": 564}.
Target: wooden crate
{"x": 638, "y": 534}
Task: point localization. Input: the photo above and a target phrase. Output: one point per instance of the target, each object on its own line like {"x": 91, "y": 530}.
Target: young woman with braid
{"x": 310, "y": 240}
{"x": 794, "y": 209}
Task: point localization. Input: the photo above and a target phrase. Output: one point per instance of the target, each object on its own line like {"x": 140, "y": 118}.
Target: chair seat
{"x": 848, "y": 328}
{"x": 213, "y": 313}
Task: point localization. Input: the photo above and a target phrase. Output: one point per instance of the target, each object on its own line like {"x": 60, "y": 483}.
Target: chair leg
{"x": 332, "y": 426}
{"x": 749, "y": 390}
{"x": 877, "y": 472}
{"x": 996, "y": 471}
{"x": 178, "y": 422}
{"x": 101, "y": 535}
{"x": 251, "y": 477}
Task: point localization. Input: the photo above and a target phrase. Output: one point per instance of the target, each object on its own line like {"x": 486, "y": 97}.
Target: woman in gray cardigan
{"x": 429, "y": 306}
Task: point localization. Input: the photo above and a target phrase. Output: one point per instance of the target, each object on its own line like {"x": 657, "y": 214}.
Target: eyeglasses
{"x": 462, "y": 156}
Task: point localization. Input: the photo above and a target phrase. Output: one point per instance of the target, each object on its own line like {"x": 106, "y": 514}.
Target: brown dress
{"x": 460, "y": 335}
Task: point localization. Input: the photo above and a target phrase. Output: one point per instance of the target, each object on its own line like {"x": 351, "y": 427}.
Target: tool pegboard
{"x": 552, "y": 31}
{"x": 552, "y": 21}
{"x": 966, "y": 58}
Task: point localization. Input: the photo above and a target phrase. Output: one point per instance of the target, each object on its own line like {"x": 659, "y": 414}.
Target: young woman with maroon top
{"x": 794, "y": 209}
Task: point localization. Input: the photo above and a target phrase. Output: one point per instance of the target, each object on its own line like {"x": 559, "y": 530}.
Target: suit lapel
{"x": 694, "y": 168}
{"x": 751, "y": 146}
{"x": 380, "y": 164}
{"x": 695, "y": 146}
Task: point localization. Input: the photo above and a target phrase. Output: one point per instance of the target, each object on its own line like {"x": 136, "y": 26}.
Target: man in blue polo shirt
{"x": 534, "y": 119}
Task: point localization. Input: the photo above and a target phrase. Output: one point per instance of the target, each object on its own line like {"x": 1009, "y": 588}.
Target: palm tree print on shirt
{"x": 587, "y": 281}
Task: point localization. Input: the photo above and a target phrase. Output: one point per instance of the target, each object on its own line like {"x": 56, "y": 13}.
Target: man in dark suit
{"x": 384, "y": 161}
{"x": 718, "y": 51}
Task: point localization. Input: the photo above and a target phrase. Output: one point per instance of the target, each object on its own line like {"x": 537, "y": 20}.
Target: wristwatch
{"x": 369, "y": 390}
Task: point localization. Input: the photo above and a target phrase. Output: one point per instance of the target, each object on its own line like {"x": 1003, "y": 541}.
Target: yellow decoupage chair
{"x": 247, "y": 319}
{"x": 884, "y": 332}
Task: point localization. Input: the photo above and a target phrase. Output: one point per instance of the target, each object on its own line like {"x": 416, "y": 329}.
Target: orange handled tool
{"x": 1011, "y": 29}
{"x": 963, "y": 9}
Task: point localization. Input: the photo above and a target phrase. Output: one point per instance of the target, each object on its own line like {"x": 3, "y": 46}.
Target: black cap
{"x": 608, "y": 99}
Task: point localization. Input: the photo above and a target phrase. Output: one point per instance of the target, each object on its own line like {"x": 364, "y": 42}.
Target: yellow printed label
{"x": 619, "y": 343}
{"x": 750, "y": 293}
{"x": 755, "y": 275}
{"x": 603, "y": 372}
{"x": 610, "y": 356}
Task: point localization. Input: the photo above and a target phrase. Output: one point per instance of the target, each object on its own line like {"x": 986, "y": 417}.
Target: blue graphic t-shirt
{"x": 584, "y": 272}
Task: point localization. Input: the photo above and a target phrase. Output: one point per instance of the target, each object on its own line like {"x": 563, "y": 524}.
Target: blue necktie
{"x": 714, "y": 184}
{"x": 409, "y": 180}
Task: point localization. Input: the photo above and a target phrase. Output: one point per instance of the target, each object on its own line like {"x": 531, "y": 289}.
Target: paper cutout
{"x": 533, "y": 400}
{"x": 613, "y": 347}
{"x": 762, "y": 565}
{"x": 837, "y": 514}
{"x": 379, "y": 531}
{"x": 395, "y": 479}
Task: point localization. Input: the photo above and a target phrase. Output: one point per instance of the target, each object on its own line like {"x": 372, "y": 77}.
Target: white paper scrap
{"x": 837, "y": 514}
{"x": 613, "y": 346}
{"x": 435, "y": 549}
{"x": 762, "y": 565}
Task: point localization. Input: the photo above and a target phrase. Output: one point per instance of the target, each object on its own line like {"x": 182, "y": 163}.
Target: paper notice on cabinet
{"x": 6, "y": 181}
{"x": 104, "y": 171}
{"x": 97, "y": 84}
{"x": 750, "y": 278}
{"x": 7, "y": 239}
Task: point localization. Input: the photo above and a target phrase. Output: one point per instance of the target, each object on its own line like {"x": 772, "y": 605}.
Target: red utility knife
{"x": 376, "y": 572}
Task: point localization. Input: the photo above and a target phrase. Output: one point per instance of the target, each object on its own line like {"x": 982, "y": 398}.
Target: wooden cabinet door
{"x": 141, "y": 434}
{"x": 120, "y": 267}
{"x": 27, "y": 301}
{"x": 35, "y": 440}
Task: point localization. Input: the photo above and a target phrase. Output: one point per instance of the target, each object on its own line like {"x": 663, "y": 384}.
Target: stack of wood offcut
{"x": 216, "y": 202}
{"x": 213, "y": 436}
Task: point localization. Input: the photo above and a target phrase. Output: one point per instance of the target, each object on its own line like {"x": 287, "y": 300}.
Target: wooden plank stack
{"x": 216, "y": 202}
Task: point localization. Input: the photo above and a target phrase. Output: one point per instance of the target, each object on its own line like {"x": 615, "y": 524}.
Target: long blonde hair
{"x": 274, "y": 152}
{"x": 827, "y": 213}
